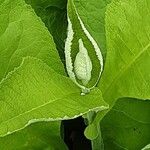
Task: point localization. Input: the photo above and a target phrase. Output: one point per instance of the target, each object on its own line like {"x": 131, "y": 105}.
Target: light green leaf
{"x": 22, "y": 34}
{"x": 80, "y": 46}
{"x": 54, "y": 14}
{"x": 127, "y": 125}
{"x": 126, "y": 72}
{"x": 34, "y": 92}
{"x": 38, "y": 136}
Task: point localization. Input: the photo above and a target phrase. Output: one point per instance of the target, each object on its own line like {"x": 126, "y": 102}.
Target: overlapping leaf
{"x": 54, "y": 14}
{"x": 22, "y": 34}
{"x": 92, "y": 14}
{"x": 34, "y": 92}
{"x": 126, "y": 72}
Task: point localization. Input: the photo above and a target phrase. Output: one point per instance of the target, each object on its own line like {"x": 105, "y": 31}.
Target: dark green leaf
{"x": 127, "y": 125}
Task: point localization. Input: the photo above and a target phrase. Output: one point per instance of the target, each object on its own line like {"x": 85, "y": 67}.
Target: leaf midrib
{"x": 125, "y": 69}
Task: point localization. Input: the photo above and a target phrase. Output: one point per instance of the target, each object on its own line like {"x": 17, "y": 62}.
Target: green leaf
{"x": 84, "y": 61}
{"x": 23, "y": 34}
{"x": 127, "y": 125}
{"x": 54, "y": 14}
{"x": 92, "y": 14}
{"x": 126, "y": 72}
{"x": 34, "y": 92}
{"x": 147, "y": 147}
{"x": 38, "y": 136}
{"x": 47, "y": 3}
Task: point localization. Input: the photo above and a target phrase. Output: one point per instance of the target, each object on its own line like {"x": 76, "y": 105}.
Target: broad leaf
{"x": 54, "y": 14}
{"x": 22, "y": 34}
{"x": 38, "y": 136}
{"x": 126, "y": 72}
{"x": 34, "y": 92}
{"x": 127, "y": 125}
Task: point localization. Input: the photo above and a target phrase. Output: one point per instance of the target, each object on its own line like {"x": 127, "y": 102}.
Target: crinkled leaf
{"x": 34, "y": 92}
{"x": 127, "y": 125}
{"x": 38, "y": 136}
{"x": 22, "y": 34}
{"x": 126, "y": 72}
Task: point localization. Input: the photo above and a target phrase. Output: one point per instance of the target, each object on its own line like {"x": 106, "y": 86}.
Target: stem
{"x": 97, "y": 144}
{"x": 90, "y": 116}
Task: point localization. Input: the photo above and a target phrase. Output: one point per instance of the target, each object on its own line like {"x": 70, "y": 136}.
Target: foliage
{"x": 63, "y": 59}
